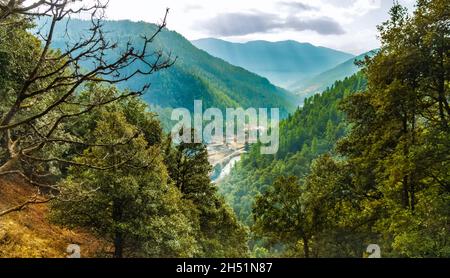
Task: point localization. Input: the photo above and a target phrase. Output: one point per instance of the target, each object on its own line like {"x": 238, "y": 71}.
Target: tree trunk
{"x": 10, "y": 115}
{"x": 442, "y": 99}
{"x": 118, "y": 233}
{"x": 413, "y": 196}
{"x": 405, "y": 190}
{"x": 118, "y": 245}
{"x": 9, "y": 165}
{"x": 405, "y": 193}
{"x": 306, "y": 247}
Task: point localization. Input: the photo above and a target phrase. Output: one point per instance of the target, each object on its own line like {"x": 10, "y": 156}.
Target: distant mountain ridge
{"x": 283, "y": 63}
{"x": 322, "y": 81}
{"x": 196, "y": 75}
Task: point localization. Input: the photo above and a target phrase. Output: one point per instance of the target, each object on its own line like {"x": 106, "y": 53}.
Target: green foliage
{"x": 129, "y": 200}
{"x": 325, "y": 79}
{"x": 221, "y": 234}
{"x": 374, "y": 168}
{"x": 388, "y": 182}
{"x": 114, "y": 166}
{"x": 146, "y": 196}
{"x": 20, "y": 51}
{"x": 399, "y": 144}
{"x": 280, "y": 215}
{"x": 196, "y": 75}
{"x": 16, "y": 58}
{"x": 308, "y": 133}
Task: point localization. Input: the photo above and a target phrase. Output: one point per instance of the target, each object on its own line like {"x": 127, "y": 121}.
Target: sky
{"x": 346, "y": 25}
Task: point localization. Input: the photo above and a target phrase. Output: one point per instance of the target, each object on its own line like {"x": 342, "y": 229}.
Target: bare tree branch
{"x": 34, "y": 200}
{"x": 58, "y": 77}
{"x": 27, "y": 129}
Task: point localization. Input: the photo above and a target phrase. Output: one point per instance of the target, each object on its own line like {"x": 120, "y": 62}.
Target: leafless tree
{"x": 10, "y": 8}
{"x": 57, "y": 77}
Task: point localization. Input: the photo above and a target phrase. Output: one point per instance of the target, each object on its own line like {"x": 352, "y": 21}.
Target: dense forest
{"x": 311, "y": 131}
{"x": 195, "y": 75}
{"x": 325, "y": 79}
{"x": 96, "y": 153}
{"x": 379, "y": 146}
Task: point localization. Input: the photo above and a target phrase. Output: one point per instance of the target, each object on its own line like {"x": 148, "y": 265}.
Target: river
{"x": 227, "y": 169}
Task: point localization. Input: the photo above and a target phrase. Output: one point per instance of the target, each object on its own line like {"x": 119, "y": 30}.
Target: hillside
{"x": 308, "y": 133}
{"x": 325, "y": 79}
{"x": 29, "y": 234}
{"x": 195, "y": 75}
{"x": 282, "y": 62}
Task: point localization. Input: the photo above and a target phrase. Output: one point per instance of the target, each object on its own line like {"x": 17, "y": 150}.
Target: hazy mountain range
{"x": 225, "y": 74}
{"x": 325, "y": 79}
{"x": 195, "y": 75}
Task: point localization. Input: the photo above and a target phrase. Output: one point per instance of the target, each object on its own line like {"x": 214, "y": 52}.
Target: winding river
{"x": 227, "y": 169}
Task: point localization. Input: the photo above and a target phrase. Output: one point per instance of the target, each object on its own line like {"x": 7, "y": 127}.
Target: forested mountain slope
{"x": 378, "y": 175}
{"x": 195, "y": 74}
{"x": 309, "y": 132}
{"x": 320, "y": 82}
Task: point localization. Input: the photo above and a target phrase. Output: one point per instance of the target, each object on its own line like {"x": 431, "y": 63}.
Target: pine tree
{"x": 127, "y": 198}
{"x": 399, "y": 143}
{"x": 219, "y": 232}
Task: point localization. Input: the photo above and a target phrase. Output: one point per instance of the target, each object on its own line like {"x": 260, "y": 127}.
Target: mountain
{"x": 282, "y": 62}
{"x": 308, "y": 133}
{"x": 326, "y": 79}
{"x": 195, "y": 75}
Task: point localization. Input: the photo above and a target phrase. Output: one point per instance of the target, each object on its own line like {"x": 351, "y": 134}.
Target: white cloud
{"x": 357, "y": 18}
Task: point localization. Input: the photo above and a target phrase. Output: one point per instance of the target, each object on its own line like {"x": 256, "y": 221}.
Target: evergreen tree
{"x": 280, "y": 216}
{"x": 219, "y": 232}
{"x": 127, "y": 198}
{"x": 399, "y": 143}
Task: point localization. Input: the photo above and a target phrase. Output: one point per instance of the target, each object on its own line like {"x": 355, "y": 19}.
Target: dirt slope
{"x": 29, "y": 234}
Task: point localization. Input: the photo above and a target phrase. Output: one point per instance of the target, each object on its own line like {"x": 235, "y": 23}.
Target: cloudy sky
{"x": 348, "y": 25}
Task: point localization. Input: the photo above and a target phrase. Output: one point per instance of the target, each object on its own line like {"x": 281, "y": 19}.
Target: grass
{"x": 29, "y": 234}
